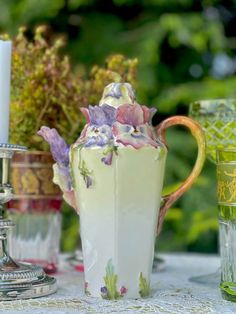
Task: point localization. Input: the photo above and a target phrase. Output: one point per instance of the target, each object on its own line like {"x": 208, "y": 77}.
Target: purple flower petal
{"x": 88, "y": 181}
{"x": 59, "y": 148}
{"x": 96, "y": 140}
{"x": 136, "y": 137}
{"x": 99, "y": 115}
{"x": 108, "y": 159}
{"x": 65, "y": 174}
{"x": 97, "y": 135}
{"x": 152, "y": 112}
{"x": 85, "y": 112}
{"x": 90, "y": 141}
{"x": 123, "y": 290}
{"x": 104, "y": 290}
{"x": 110, "y": 113}
{"x": 134, "y": 115}
{"x": 63, "y": 179}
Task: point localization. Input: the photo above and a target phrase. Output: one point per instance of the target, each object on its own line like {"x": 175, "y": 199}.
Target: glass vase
{"x": 35, "y": 210}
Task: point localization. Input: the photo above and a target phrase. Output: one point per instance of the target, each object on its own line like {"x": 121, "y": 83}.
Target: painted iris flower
{"x": 132, "y": 126}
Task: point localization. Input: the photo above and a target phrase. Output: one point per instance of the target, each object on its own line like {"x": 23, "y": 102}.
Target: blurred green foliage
{"x": 45, "y": 90}
{"x": 186, "y": 51}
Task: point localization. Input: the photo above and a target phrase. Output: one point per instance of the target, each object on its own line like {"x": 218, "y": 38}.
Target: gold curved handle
{"x": 198, "y": 133}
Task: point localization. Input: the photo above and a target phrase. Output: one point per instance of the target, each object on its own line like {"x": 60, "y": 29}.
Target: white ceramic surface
{"x": 118, "y": 214}
{"x": 5, "y": 75}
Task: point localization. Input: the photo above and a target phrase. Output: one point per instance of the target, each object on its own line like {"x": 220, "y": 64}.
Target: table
{"x": 172, "y": 292}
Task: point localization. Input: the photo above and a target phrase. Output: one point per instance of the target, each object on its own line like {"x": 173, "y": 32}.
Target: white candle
{"x": 5, "y": 75}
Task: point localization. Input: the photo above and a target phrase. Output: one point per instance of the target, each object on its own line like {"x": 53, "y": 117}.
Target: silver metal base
{"x": 25, "y": 282}
{"x": 17, "y": 280}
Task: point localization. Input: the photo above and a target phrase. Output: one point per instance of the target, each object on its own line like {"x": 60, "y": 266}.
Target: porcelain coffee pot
{"x": 113, "y": 176}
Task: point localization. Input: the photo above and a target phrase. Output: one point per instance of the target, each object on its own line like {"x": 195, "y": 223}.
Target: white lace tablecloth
{"x": 172, "y": 293}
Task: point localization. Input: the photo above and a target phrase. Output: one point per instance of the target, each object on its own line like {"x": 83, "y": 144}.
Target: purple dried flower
{"x": 59, "y": 148}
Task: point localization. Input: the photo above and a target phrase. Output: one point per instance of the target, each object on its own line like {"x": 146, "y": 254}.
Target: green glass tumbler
{"x": 226, "y": 194}
{"x": 217, "y": 118}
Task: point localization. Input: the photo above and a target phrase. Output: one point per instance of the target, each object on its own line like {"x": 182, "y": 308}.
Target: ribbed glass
{"x": 36, "y": 238}
{"x": 218, "y": 120}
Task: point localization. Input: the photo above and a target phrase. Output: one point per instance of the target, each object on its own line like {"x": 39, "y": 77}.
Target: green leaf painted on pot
{"x": 110, "y": 289}
{"x": 84, "y": 171}
{"x": 110, "y": 149}
{"x": 71, "y": 154}
{"x": 86, "y": 289}
{"x": 144, "y": 286}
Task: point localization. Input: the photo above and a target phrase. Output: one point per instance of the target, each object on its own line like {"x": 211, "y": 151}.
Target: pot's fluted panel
{"x": 118, "y": 215}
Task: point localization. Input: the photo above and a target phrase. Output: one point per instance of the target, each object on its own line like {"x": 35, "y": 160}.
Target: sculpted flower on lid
{"x": 132, "y": 126}
{"x": 98, "y": 129}
{"x": 134, "y": 115}
{"x": 117, "y": 120}
{"x": 99, "y": 115}
{"x": 97, "y": 136}
{"x": 117, "y": 94}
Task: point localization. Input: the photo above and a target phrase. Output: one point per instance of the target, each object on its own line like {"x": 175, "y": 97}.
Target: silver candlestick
{"x": 17, "y": 280}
